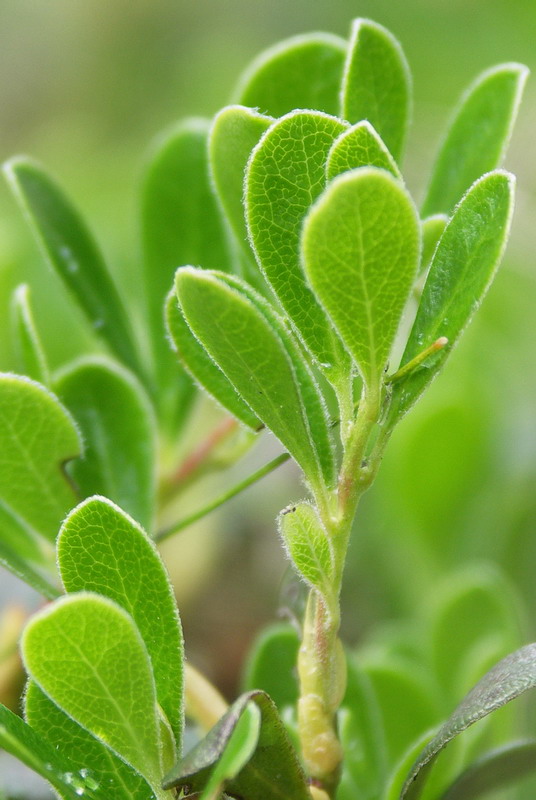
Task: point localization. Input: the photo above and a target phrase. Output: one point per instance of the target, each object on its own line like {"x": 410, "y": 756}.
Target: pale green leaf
{"x": 118, "y": 426}
{"x": 308, "y": 546}
{"x": 432, "y": 230}
{"x": 285, "y": 174}
{"x": 25, "y": 565}
{"x": 271, "y": 664}
{"x": 359, "y": 146}
{"x": 462, "y": 270}
{"x": 377, "y": 83}
{"x": 302, "y": 72}
{"x": 73, "y": 253}
{"x": 30, "y": 356}
{"x": 87, "y": 655}
{"x": 361, "y": 248}
{"x": 478, "y": 136}
{"x": 496, "y": 770}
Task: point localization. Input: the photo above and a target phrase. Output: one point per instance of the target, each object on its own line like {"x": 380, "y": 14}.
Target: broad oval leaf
{"x": 308, "y": 546}
{"x": 508, "y": 679}
{"x": 74, "y": 255}
{"x": 202, "y": 368}
{"x": 377, "y": 83}
{"x": 29, "y": 350}
{"x": 478, "y": 135}
{"x": 118, "y": 426}
{"x": 359, "y": 146}
{"x": 87, "y": 655}
{"x": 361, "y": 248}
{"x": 285, "y": 174}
{"x": 493, "y": 771}
{"x": 300, "y": 72}
{"x": 245, "y": 345}
{"x": 464, "y": 265}
{"x": 102, "y": 550}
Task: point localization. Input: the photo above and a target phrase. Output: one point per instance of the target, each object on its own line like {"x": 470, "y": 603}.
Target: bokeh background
{"x": 85, "y": 86}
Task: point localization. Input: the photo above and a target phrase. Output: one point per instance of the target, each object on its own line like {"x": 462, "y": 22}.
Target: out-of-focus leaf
{"x": 301, "y": 72}
{"x": 308, "y": 546}
{"x": 118, "y": 427}
{"x": 494, "y": 771}
{"x": 271, "y": 664}
{"x": 102, "y": 550}
{"x": 361, "y": 248}
{"x": 508, "y": 679}
{"x": 74, "y": 255}
{"x": 432, "y": 230}
{"x": 398, "y": 775}
{"x": 377, "y": 83}
{"x": 30, "y": 356}
{"x": 478, "y": 135}
{"x": 359, "y": 146}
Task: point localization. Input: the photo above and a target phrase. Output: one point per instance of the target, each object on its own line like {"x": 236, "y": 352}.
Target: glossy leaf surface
{"x": 361, "y": 248}
{"x": 495, "y": 770}
{"x": 359, "y": 146}
{"x": 31, "y": 359}
{"x": 308, "y": 546}
{"x": 377, "y": 83}
{"x": 478, "y": 136}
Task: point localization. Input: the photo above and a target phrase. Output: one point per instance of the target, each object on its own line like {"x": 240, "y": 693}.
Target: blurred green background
{"x": 85, "y": 86}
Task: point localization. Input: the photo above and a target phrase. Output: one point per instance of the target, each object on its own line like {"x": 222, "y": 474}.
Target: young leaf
{"x": 202, "y": 368}
{"x": 37, "y": 438}
{"x": 432, "y": 230}
{"x": 495, "y": 770}
{"x": 257, "y": 780}
{"x": 285, "y": 174}
{"x": 359, "y": 146}
{"x": 301, "y": 72}
{"x": 377, "y": 83}
{"x": 508, "y": 679}
{"x": 115, "y": 777}
{"x": 102, "y": 550}
{"x": 29, "y": 350}
{"x": 308, "y": 546}
{"x": 271, "y": 664}
{"x": 87, "y": 655}
{"x": 74, "y": 255}
{"x": 478, "y": 135}
{"x": 251, "y": 353}
{"x": 463, "y": 268}
{"x": 116, "y": 421}
{"x": 361, "y": 248}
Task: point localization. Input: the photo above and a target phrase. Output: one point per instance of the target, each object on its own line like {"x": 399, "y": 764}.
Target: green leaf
{"x": 73, "y": 253}
{"x": 31, "y": 359}
{"x": 464, "y": 265}
{"x": 361, "y": 248}
{"x": 258, "y": 780}
{"x": 202, "y": 368}
{"x": 271, "y": 664}
{"x": 23, "y": 565}
{"x": 397, "y": 776}
{"x": 115, "y": 777}
{"x": 34, "y": 750}
{"x": 252, "y": 353}
{"x": 301, "y": 72}
{"x": 359, "y": 146}
{"x": 102, "y": 550}
{"x": 478, "y": 136}
{"x": 432, "y": 230}
{"x": 308, "y": 546}
{"x": 508, "y": 679}
{"x": 494, "y": 771}
{"x": 377, "y": 83}
{"x": 87, "y": 655}
{"x": 285, "y": 174}
{"x": 118, "y": 427}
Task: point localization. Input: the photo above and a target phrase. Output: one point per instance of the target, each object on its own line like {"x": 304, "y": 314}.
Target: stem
{"x": 165, "y": 533}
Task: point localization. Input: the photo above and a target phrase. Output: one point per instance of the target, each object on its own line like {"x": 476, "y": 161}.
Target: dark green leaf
{"x": 271, "y": 664}
{"x": 377, "y": 83}
{"x": 301, "y": 72}
{"x": 359, "y": 146}
{"x": 30, "y": 356}
{"x": 73, "y": 253}
{"x": 494, "y": 771}
{"x": 478, "y": 135}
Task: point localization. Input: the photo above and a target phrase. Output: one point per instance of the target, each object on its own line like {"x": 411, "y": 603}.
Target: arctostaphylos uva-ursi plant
{"x": 312, "y": 298}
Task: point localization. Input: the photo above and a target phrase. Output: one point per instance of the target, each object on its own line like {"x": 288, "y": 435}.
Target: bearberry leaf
{"x": 359, "y": 146}
{"x": 432, "y": 230}
{"x": 495, "y": 770}
{"x": 30, "y": 356}
{"x": 308, "y": 546}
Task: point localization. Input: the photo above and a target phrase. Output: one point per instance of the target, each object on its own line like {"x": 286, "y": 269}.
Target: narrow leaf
{"x": 359, "y": 146}
{"x": 508, "y": 679}
{"x": 202, "y": 368}
{"x": 463, "y": 268}
{"x": 118, "y": 426}
{"x": 478, "y": 135}
{"x": 86, "y": 654}
{"x": 361, "y": 248}
{"x": 28, "y": 568}
{"x": 432, "y": 230}
{"x": 102, "y": 550}
{"x": 31, "y": 359}
{"x": 285, "y": 174}
{"x": 308, "y": 546}
{"x": 377, "y": 83}
{"x": 73, "y": 254}
{"x": 301, "y": 72}
{"x": 495, "y": 770}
